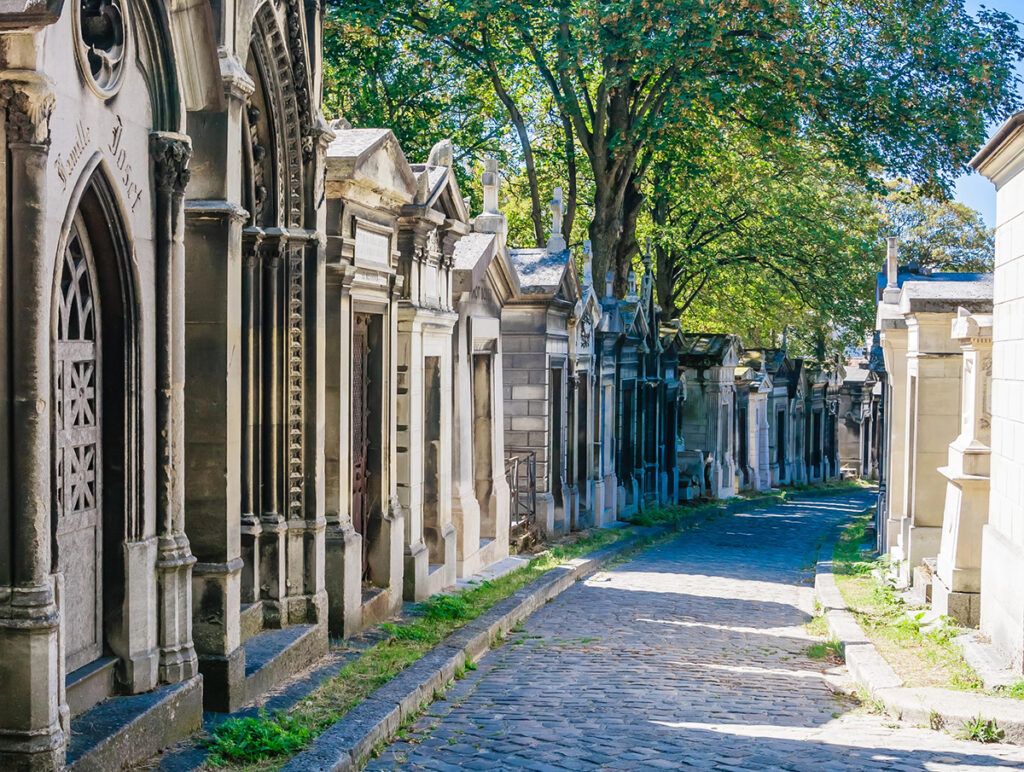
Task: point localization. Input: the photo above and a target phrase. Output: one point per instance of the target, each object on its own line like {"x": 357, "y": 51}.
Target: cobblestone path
{"x": 690, "y": 655}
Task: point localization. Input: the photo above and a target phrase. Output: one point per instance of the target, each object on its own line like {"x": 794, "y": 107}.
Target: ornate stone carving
{"x": 259, "y": 155}
{"x": 171, "y": 155}
{"x": 297, "y": 47}
{"x": 28, "y": 110}
{"x": 296, "y": 381}
{"x": 102, "y": 32}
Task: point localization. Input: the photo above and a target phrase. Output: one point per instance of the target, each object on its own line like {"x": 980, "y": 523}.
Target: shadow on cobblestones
{"x": 691, "y": 655}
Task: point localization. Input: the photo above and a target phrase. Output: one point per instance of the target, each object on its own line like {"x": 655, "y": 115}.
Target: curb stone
{"x": 932, "y": 707}
{"x": 348, "y": 742}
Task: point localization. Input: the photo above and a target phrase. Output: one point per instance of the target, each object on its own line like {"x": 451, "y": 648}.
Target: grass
{"x": 982, "y": 730}
{"x": 266, "y": 742}
{"x": 829, "y": 651}
{"x": 1015, "y": 690}
{"x": 922, "y": 657}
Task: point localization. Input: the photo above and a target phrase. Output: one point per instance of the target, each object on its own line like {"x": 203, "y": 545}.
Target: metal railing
{"x": 521, "y": 473}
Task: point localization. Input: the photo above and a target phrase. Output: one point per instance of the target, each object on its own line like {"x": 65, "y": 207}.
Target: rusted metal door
{"x": 78, "y": 450}
{"x": 360, "y": 429}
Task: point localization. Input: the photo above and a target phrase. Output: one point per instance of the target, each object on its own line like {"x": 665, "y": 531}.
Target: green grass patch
{"x": 267, "y": 741}
{"x": 982, "y": 730}
{"x": 828, "y": 651}
{"x": 1015, "y": 690}
{"x": 922, "y": 657}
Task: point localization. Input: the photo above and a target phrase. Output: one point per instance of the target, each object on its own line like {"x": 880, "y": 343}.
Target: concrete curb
{"x": 936, "y": 708}
{"x": 348, "y": 743}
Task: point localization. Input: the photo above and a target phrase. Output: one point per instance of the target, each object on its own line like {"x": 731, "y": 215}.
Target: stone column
{"x": 33, "y": 713}
{"x": 957, "y": 583}
{"x": 933, "y": 390}
{"x": 171, "y": 153}
{"x": 251, "y": 527}
{"x": 272, "y": 521}
{"x": 213, "y": 404}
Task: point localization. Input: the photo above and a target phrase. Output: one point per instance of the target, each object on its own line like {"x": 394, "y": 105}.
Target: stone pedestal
{"x": 958, "y": 575}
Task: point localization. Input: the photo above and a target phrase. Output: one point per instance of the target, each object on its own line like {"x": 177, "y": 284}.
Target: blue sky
{"x": 972, "y": 189}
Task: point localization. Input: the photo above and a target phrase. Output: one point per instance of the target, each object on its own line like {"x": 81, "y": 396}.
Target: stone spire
{"x": 892, "y": 271}
{"x": 588, "y": 265}
{"x": 556, "y": 242}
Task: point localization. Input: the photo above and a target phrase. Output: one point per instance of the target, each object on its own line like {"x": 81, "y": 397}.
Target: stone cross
{"x": 491, "y": 181}
{"x": 556, "y": 243}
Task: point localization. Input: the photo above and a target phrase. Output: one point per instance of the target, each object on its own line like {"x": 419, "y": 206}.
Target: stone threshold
{"x": 932, "y": 707}
{"x": 349, "y": 743}
{"x": 125, "y": 730}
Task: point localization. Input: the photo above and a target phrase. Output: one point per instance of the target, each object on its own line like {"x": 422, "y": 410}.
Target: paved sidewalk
{"x": 691, "y": 655}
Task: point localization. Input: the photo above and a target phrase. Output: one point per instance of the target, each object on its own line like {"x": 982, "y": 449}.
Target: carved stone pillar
{"x": 957, "y": 586}
{"x": 33, "y": 714}
{"x": 272, "y": 520}
{"x": 171, "y": 153}
{"x": 251, "y": 529}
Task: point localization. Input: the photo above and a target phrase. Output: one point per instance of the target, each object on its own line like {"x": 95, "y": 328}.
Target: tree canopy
{"x": 744, "y": 136}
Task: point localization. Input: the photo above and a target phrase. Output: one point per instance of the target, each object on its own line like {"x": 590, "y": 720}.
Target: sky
{"x": 973, "y": 189}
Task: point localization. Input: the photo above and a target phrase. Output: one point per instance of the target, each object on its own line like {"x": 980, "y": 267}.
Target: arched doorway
{"x": 95, "y": 461}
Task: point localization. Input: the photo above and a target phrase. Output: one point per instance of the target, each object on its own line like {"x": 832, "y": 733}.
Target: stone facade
{"x": 709, "y": 412}
{"x": 859, "y": 430}
{"x": 923, "y": 365}
{"x": 369, "y": 182}
{"x": 1002, "y": 560}
{"x": 537, "y": 370}
{"x": 482, "y": 282}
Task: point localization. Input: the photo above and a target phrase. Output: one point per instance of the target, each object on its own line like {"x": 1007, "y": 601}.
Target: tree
{"x": 753, "y": 238}
{"x": 936, "y": 233}
{"x": 902, "y": 85}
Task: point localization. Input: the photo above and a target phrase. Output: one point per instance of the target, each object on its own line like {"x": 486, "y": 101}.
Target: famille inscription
{"x": 67, "y": 163}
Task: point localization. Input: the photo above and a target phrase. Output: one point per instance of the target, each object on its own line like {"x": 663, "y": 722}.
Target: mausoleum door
{"x": 78, "y": 448}
{"x": 360, "y": 431}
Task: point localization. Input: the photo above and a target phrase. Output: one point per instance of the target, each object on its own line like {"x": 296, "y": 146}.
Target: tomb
{"x": 369, "y": 181}
{"x": 482, "y": 282}
{"x": 535, "y": 340}
{"x": 429, "y": 228}
{"x": 709, "y": 362}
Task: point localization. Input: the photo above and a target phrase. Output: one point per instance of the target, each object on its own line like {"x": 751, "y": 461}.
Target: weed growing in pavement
{"x": 1014, "y": 690}
{"x": 255, "y": 739}
{"x": 982, "y": 730}
{"x": 830, "y": 651}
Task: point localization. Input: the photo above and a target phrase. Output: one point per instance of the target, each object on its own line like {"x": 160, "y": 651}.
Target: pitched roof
{"x": 705, "y": 348}
{"x": 539, "y": 272}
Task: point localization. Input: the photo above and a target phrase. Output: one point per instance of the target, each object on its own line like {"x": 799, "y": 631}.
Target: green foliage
{"x": 922, "y": 656}
{"x": 250, "y": 740}
{"x": 446, "y": 608}
{"x": 829, "y": 651}
{"x": 982, "y": 730}
{"x": 896, "y": 88}
{"x": 1014, "y": 690}
{"x": 934, "y": 232}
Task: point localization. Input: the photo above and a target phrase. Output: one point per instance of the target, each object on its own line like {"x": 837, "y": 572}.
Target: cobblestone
{"x": 692, "y": 655}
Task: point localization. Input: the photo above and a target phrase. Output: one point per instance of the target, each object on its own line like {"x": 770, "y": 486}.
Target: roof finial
{"x": 556, "y": 242}
{"x": 588, "y": 264}
{"x": 491, "y": 181}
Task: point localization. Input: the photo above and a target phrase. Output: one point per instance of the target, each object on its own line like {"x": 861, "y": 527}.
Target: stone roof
{"x": 771, "y": 359}
{"x": 470, "y": 248}
{"x": 352, "y": 143}
{"x": 946, "y": 292}
{"x": 705, "y": 348}
{"x": 538, "y": 271}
